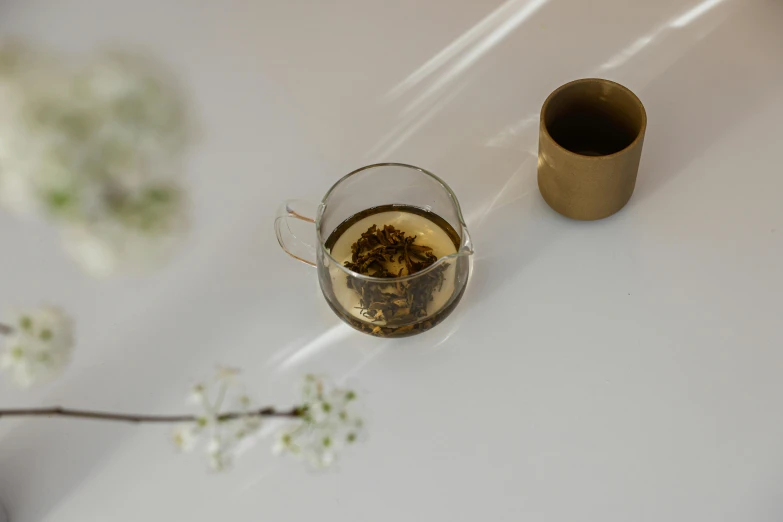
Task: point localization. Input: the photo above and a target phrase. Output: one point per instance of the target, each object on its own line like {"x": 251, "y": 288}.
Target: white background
{"x": 624, "y": 370}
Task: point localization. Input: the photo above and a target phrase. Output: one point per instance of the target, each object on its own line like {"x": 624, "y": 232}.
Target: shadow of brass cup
{"x": 589, "y": 145}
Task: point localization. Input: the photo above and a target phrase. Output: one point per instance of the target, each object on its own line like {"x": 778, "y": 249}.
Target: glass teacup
{"x": 391, "y": 247}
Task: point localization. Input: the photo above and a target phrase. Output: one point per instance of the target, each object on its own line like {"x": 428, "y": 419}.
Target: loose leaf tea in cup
{"x": 395, "y": 258}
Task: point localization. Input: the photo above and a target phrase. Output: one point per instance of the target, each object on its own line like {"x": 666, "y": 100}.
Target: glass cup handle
{"x": 293, "y": 239}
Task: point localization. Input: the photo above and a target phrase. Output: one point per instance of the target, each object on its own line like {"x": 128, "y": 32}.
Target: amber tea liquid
{"x": 430, "y": 230}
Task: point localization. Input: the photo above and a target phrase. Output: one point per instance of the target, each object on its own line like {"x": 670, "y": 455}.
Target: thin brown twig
{"x": 58, "y": 411}
{"x": 137, "y": 419}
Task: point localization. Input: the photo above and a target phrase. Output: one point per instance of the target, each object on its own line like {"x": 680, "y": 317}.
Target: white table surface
{"x": 624, "y": 370}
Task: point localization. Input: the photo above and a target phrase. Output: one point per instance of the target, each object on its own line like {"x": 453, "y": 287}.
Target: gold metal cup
{"x": 589, "y": 145}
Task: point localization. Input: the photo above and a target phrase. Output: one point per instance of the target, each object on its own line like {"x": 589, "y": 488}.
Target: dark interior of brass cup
{"x": 594, "y": 119}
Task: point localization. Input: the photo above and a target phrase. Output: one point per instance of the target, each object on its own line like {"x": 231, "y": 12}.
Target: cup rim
{"x": 639, "y": 134}
{"x": 463, "y": 233}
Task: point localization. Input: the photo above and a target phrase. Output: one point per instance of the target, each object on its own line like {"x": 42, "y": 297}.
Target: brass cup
{"x": 589, "y": 145}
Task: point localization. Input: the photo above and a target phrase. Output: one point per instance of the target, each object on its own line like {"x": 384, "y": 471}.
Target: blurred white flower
{"x": 197, "y": 396}
{"x": 103, "y": 249}
{"x": 319, "y": 411}
{"x": 218, "y": 456}
{"x": 185, "y": 437}
{"x": 330, "y": 423}
{"x": 219, "y": 436}
{"x": 285, "y": 443}
{"x": 39, "y": 345}
{"x": 324, "y": 453}
{"x": 99, "y": 151}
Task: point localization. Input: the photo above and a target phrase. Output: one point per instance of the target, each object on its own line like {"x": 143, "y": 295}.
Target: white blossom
{"x": 329, "y": 424}
{"x": 219, "y": 436}
{"x": 218, "y": 456}
{"x": 324, "y": 452}
{"x": 197, "y": 395}
{"x": 284, "y": 443}
{"x": 38, "y": 346}
{"x": 103, "y": 249}
{"x": 185, "y": 437}
{"x": 319, "y": 411}
{"x": 99, "y": 151}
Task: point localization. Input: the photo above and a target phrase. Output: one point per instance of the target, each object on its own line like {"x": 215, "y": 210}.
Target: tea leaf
{"x": 398, "y": 303}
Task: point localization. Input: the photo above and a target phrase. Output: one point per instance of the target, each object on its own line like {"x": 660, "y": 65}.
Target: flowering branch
{"x": 38, "y": 344}
{"x": 325, "y": 421}
{"x": 58, "y": 411}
